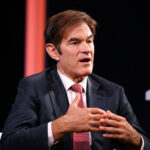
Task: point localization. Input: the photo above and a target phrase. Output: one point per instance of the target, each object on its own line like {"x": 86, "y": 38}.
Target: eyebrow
{"x": 78, "y": 39}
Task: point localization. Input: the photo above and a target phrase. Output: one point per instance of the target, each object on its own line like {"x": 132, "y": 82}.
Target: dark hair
{"x": 58, "y": 24}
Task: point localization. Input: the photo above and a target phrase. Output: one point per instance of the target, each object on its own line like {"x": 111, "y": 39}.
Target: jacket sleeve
{"x": 22, "y": 129}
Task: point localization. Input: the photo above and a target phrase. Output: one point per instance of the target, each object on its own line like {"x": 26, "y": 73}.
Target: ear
{"x": 52, "y": 51}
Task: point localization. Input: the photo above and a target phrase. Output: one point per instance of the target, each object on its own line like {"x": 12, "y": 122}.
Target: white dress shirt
{"x": 71, "y": 96}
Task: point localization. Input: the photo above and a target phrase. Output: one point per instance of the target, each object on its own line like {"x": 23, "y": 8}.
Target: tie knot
{"x": 77, "y": 88}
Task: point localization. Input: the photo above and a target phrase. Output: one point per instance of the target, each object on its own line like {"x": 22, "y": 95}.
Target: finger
{"x": 113, "y": 116}
{"x": 108, "y": 122}
{"x": 95, "y": 123}
{"x": 97, "y": 111}
{"x": 96, "y": 117}
{"x": 112, "y": 136}
{"x": 95, "y": 129}
{"x": 76, "y": 100}
{"x": 110, "y": 130}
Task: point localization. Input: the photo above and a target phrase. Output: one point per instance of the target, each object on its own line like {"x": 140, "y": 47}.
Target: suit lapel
{"x": 95, "y": 96}
{"x": 60, "y": 103}
{"x": 58, "y": 95}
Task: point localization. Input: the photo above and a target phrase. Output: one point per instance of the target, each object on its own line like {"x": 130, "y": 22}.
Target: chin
{"x": 86, "y": 72}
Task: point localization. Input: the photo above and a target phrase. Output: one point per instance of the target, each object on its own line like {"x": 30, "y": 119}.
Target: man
{"x": 47, "y": 112}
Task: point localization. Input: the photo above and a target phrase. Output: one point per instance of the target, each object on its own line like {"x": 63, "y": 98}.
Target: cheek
{"x": 68, "y": 61}
{"x": 93, "y": 50}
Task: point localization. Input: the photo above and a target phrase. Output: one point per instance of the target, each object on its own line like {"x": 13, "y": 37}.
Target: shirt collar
{"x": 68, "y": 82}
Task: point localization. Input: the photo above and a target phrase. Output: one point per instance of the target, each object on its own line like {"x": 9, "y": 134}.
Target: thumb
{"x": 77, "y": 99}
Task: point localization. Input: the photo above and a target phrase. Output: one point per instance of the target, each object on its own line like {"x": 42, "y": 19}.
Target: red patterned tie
{"x": 81, "y": 141}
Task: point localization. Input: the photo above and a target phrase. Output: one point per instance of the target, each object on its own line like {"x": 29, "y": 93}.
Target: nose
{"x": 86, "y": 47}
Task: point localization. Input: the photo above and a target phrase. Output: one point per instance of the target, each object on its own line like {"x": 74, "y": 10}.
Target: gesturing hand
{"x": 77, "y": 120}
{"x": 83, "y": 119}
{"x": 117, "y": 127}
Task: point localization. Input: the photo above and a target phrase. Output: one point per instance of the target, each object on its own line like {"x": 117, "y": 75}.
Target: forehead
{"x": 78, "y": 31}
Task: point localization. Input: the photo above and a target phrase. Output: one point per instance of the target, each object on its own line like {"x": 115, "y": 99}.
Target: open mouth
{"x": 85, "y": 60}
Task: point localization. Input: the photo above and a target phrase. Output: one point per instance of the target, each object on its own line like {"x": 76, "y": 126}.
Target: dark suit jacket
{"x": 42, "y": 98}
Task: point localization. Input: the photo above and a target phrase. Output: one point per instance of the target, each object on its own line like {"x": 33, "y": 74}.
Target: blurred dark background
{"x": 122, "y": 48}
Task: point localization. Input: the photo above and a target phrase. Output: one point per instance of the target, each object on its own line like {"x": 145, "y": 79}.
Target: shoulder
{"x": 37, "y": 79}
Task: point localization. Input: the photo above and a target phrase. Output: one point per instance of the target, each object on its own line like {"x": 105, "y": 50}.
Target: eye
{"x": 90, "y": 41}
{"x": 74, "y": 42}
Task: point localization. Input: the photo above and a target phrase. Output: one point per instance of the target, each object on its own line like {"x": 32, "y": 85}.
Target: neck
{"x": 75, "y": 79}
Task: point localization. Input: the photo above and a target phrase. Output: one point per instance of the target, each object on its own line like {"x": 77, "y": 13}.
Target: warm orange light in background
{"x": 34, "y": 39}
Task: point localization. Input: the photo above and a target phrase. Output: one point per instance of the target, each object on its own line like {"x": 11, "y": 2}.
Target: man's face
{"x": 77, "y": 48}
